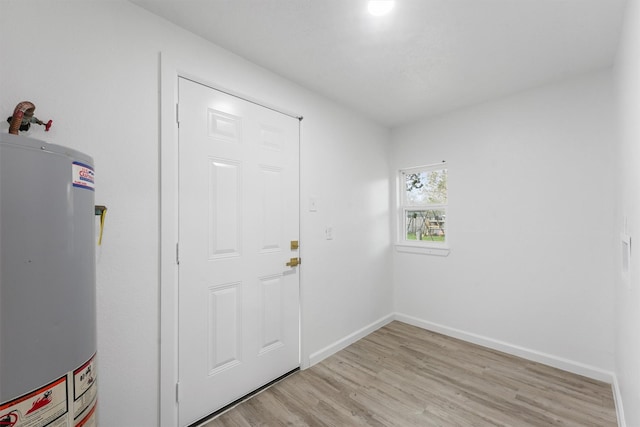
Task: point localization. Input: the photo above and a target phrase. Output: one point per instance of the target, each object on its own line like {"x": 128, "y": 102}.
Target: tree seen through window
{"x": 425, "y": 204}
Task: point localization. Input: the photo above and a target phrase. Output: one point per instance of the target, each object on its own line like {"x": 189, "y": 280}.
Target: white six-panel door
{"x": 238, "y": 214}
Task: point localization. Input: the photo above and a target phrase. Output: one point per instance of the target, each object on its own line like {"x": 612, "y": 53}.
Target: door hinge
{"x": 178, "y": 253}
{"x": 178, "y": 392}
{"x": 178, "y": 114}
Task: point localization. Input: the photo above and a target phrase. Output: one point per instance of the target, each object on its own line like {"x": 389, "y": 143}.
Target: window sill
{"x": 422, "y": 249}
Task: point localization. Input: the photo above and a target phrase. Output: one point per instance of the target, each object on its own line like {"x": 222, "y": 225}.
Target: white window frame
{"x": 427, "y": 247}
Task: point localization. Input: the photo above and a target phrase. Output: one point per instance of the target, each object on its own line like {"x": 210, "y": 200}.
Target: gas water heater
{"x": 47, "y": 285}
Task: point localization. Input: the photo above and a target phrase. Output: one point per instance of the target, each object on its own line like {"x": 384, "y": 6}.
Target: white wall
{"x": 530, "y": 218}
{"x": 627, "y": 318}
{"x": 93, "y": 67}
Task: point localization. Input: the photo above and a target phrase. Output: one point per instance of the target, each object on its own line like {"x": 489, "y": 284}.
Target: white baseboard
{"x": 322, "y": 354}
{"x": 617, "y": 397}
{"x": 525, "y": 353}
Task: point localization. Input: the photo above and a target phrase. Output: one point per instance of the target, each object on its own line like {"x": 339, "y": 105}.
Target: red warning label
{"x": 45, "y": 407}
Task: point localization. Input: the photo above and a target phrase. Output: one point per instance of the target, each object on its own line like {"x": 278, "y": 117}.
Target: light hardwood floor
{"x": 402, "y": 375}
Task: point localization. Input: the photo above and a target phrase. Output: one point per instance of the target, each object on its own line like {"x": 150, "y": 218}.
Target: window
{"x": 423, "y": 206}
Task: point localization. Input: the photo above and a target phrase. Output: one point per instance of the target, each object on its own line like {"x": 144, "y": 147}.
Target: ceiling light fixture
{"x": 380, "y": 7}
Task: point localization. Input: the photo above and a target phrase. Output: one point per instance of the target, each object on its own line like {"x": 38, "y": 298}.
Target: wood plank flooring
{"x": 402, "y": 375}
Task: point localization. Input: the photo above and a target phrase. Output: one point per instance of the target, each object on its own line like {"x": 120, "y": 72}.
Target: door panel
{"x": 225, "y": 332}
{"x": 238, "y": 211}
{"x": 225, "y": 221}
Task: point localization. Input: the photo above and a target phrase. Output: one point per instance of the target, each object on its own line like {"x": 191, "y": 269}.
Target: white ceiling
{"x": 426, "y": 57}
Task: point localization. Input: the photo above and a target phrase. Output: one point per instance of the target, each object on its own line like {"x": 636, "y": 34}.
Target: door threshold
{"x": 244, "y": 398}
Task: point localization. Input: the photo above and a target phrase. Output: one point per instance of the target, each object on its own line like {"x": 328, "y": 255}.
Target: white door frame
{"x": 170, "y": 70}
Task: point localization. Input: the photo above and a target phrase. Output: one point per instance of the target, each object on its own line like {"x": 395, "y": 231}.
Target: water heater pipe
{"x": 24, "y": 113}
{"x": 24, "y": 108}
